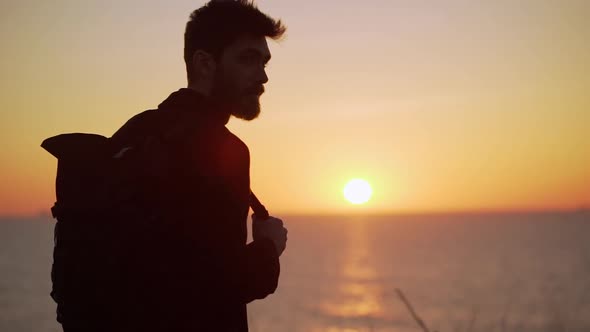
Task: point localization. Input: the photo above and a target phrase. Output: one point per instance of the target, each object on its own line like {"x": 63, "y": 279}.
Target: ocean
{"x": 474, "y": 272}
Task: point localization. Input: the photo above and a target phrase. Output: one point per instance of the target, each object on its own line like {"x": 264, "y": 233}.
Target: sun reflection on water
{"x": 358, "y": 294}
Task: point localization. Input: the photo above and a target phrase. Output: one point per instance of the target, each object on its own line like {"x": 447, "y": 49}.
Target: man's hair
{"x": 218, "y": 23}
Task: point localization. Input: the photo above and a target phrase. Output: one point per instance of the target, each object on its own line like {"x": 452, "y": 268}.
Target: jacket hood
{"x": 191, "y": 101}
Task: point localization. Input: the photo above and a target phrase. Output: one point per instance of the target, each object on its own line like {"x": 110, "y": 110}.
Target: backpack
{"x": 108, "y": 219}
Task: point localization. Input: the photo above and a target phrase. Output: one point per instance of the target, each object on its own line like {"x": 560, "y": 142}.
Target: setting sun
{"x": 358, "y": 191}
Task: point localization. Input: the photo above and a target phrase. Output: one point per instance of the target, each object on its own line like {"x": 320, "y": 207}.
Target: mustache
{"x": 258, "y": 90}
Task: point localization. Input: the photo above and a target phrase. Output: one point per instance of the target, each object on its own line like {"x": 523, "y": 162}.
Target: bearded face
{"x": 243, "y": 102}
{"x": 240, "y": 76}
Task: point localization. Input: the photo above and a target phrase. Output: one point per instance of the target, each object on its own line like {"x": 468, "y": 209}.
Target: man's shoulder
{"x": 236, "y": 144}
{"x": 216, "y": 150}
{"x": 233, "y": 153}
{"x": 208, "y": 143}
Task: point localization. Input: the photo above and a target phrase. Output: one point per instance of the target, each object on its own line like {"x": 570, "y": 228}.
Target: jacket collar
{"x": 189, "y": 100}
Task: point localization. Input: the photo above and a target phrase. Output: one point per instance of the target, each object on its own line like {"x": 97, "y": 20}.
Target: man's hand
{"x": 271, "y": 228}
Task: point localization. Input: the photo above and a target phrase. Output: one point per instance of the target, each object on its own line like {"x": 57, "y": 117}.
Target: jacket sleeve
{"x": 262, "y": 271}
{"x": 228, "y": 270}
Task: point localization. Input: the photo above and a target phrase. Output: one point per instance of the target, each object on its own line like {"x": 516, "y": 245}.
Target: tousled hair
{"x": 218, "y": 23}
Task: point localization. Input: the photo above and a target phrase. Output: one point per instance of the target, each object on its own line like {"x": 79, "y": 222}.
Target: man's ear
{"x": 203, "y": 63}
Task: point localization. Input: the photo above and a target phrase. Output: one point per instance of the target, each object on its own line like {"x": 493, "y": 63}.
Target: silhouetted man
{"x": 200, "y": 272}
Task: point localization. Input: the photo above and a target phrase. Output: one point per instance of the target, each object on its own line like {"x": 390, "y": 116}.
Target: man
{"x": 201, "y": 272}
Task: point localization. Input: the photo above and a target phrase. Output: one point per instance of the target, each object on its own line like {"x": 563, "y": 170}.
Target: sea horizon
{"x": 398, "y": 214}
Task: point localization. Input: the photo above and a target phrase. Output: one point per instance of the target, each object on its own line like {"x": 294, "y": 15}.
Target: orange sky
{"x": 453, "y": 105}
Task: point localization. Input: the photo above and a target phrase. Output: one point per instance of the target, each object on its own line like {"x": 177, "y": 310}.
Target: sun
{"x": 358, "y": 191}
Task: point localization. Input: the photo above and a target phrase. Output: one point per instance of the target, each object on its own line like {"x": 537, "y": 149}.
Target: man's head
{"x": 225, "y": 52}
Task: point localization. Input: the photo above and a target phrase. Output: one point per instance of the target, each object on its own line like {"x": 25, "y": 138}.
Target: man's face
{"x": 240, "y": 76}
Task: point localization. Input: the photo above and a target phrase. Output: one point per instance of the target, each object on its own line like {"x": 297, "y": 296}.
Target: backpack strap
{"x": 259, "y": 210}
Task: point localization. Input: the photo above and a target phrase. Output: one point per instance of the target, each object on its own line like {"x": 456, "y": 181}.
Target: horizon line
{"x": 481, "y": 212}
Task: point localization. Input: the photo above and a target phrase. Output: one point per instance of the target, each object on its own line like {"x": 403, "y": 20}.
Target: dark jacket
{"x": 200, "y": 273}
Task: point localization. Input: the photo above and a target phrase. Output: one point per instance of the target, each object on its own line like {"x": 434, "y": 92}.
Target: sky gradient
{"x": 441, "y": 106}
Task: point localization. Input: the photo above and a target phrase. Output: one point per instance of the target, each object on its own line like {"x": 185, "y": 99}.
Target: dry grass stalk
{"x": 418, "y": 320}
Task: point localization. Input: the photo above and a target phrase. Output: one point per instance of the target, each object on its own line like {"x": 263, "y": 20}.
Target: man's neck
{"x": 202, "y": 89}
{"x": 222, "y": 108}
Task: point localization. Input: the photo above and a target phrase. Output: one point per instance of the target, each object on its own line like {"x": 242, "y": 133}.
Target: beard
{"x": 242, "y": 103}
{"x": 247, "y": 107}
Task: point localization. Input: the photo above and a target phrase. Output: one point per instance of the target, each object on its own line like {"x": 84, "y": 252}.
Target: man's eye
{"x": 248, "y": 59}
